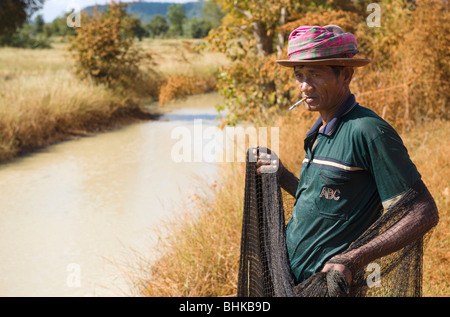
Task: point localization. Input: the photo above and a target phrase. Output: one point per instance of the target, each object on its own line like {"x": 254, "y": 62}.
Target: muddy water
{"x": 75, "y": 215}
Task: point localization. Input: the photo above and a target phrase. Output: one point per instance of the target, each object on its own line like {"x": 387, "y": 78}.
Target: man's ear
{"x": 347, "y": 74}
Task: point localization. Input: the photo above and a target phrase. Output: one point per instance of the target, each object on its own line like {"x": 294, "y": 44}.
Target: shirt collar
{"x": 331, "y": 126}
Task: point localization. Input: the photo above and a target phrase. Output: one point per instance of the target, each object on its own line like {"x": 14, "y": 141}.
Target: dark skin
{"x": 325, "y": 92}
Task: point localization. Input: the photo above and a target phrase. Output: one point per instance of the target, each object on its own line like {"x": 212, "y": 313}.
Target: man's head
{"x": 323, "y": 86}
{"x": 323, "y": 61}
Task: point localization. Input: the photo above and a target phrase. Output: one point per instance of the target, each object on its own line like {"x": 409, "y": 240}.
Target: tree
{"x": 197, "y": 28}
{"x": 176, "y": 15}
{"x": 28, "y": 35}
{"x": 212, "y": 13}
{"x": 59, "y": 26}
{"x": 104, "y": 52}
{"x": 254, "y": 34}
{"x": 407, "y": 79}
{"x": 14, "y": 13}
{"x": 250, "y": 34}
{"x": 48, "y": 30}
{"x": 158, "y": 26}
{"x": 138, "y": 30}
{"x": 39, "y": 24}
{"x": 261, "y": 17}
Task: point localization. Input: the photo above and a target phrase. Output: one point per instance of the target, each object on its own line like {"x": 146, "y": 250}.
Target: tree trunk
{"x": 263, "y": 41}
{"x": 280, "y": 35}
{"x": 280, "y": 47}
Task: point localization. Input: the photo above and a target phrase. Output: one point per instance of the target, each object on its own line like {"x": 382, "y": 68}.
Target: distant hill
{"x": 146, "y": 10}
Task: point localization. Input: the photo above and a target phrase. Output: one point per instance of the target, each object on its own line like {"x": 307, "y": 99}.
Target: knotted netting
{"x": 264, "y": 269}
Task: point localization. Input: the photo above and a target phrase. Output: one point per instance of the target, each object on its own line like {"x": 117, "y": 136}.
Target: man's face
{"x": 321, "y": 87}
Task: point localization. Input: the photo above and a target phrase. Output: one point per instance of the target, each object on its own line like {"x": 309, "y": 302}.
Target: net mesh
{"x": 264, "y": 269}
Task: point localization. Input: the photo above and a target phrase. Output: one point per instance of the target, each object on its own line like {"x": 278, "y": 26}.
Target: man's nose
{"x": 304, "y": 86}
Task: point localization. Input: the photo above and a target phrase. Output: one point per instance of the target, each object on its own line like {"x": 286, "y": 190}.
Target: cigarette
{"x": 296, "y": 104}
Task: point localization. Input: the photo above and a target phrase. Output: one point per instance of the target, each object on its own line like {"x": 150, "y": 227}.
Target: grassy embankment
{"x": 42, "y": 101}
{"x": 201, "y": 256}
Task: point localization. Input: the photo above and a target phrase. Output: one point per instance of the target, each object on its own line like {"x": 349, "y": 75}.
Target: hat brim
{"x": 349, "y": 62}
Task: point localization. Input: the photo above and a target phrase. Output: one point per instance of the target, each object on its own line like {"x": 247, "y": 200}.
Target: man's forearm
{"x": 288, "y": 181}
{"x": 422, "y": 215}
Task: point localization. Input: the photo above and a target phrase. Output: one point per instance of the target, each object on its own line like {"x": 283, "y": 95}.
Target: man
{"x": 355, "y": 165}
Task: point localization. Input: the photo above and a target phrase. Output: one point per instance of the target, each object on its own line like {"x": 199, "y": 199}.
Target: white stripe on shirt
{"x": 334, "y": 164}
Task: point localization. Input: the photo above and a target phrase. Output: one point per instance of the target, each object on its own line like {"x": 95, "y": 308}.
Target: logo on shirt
{"x": 330, "y": 193}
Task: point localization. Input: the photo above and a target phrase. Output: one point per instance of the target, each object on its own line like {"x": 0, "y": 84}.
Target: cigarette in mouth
{"x": 296, "y": 104}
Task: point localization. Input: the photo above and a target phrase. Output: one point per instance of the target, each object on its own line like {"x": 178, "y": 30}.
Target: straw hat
{"x": 328, "y": 45}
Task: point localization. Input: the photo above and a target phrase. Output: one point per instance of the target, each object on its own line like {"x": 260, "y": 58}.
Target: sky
{"x": 55, "y": 8}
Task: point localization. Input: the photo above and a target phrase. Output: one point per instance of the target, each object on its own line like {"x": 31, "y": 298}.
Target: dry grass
{"x": 182, "y": 57}
{"x": 186, "y": 69}
{"x": 42, "y": 101}
{"x": 200, "y": 257}
{"x": 429, "y": 147}
{"x": 179, "y": 86}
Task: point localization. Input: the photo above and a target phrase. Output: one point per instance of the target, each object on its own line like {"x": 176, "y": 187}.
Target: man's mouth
{"x": 310, "y": 99}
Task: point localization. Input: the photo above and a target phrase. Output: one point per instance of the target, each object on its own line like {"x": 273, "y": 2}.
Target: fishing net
{"x": 264, "y": 269}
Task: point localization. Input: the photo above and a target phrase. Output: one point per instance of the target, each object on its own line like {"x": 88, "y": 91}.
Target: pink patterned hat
{"x": 328, "y": 45}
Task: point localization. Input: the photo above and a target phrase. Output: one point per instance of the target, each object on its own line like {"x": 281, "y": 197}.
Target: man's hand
{"x": 340, "y": 268}
{"x": 267, "y": 161}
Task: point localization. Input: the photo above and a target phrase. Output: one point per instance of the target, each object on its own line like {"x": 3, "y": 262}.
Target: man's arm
{"x": 422, "y": 215}
{"x": 288, "y": 181}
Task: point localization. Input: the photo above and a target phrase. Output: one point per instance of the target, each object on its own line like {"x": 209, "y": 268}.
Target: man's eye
{"x": 301, "y": 77}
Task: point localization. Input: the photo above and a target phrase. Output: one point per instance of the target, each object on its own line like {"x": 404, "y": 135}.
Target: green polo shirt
{"x": 358, "y": 165}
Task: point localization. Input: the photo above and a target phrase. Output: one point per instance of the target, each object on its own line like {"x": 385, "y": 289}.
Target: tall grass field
{"x": 42, "y": 101}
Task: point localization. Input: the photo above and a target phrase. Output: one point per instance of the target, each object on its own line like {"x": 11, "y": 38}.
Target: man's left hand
{"x": 340, "y": 268}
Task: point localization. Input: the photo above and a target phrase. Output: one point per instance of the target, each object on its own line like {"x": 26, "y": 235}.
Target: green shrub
{"x": 25, "y": 38}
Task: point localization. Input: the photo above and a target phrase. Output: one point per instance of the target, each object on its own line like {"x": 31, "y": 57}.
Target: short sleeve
{"x": 389, "y": 163}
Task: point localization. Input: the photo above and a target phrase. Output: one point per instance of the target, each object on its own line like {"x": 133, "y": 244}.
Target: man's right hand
{"x": 267, "y": 161}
